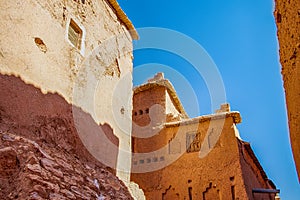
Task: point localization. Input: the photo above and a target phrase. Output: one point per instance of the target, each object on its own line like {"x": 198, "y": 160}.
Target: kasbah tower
{"x": 66, "y": 86}
{"x": 177, "y": 157}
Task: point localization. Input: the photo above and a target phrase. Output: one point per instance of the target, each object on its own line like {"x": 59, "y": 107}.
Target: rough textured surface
{"x": 170, "y": 159}
{"x": 48, "y": 119}
{"x": 287, "y": 15}
{"x": 35, "y": 47}
{"x": 29, "y": 171}
{"x": 160, "y": 83}
{"x": 41, "y": 154}
{"x": 77, "y": 52}
{"x": 122, "y": 16}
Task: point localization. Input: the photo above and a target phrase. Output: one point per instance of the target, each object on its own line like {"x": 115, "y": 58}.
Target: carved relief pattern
{"x": 193, "y": 142}
{"x": 211, "y": 192}
{"x": 170, "y": 194}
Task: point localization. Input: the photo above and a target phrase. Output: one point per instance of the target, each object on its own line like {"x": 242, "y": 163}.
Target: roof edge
{"x": 248, "y": 148}
{"x": 234, "y": 114}
{"x": 124, "y": 19}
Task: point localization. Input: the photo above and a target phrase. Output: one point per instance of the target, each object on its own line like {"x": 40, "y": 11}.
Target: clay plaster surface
{"x": 90, "y": 78}
{"x": 287, "y": 15}
{"x": 198, "y": 158}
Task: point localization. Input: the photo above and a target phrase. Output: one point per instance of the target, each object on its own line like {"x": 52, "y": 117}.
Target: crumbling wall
{"x": 49, "y": 119}
{"x": 95, "y": 77}
{"x": 287, "y": 15}
{"x": 29, "y": 171}
{"x": 41, "y": 154}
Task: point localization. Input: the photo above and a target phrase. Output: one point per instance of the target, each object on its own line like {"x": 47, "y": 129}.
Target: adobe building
{"x": 177, "y": 157}
{"x": 66, "y": 83}
{"x": 287, "y": 15}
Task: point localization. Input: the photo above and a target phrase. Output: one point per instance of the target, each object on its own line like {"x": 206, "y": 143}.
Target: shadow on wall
{"x": 48, "y": 120}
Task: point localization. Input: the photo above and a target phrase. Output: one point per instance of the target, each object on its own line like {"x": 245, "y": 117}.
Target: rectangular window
{"x": 75, "y": 34}
{"x": 142, "y": 161}
{"x": 162, "y": 158}
{"x": 193, "y": 142}
{"x": 232, "y": 192}
{"x": 190, "y": 193}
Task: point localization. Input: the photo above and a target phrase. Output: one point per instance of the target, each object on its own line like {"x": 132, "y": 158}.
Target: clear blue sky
{"x": 240, "y": 37}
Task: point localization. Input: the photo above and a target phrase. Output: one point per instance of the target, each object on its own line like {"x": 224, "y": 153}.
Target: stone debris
{"x": 49, "y": 173}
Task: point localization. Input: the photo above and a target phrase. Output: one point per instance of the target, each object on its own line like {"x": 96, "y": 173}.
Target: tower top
{"x": 157, "y": 77}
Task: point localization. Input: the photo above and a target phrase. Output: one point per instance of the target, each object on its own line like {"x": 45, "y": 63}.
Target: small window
{"x": 75, "y": 34}
{"x": 142, "y": 161}
{"x": 190, "y": 193}
{"x": 147, "y": 110}
{"x": 140, "y": 112}
{"x": 162, "y": 158}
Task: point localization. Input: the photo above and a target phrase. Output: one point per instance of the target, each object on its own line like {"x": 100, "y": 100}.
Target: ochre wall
{"x": 253, "y": 174}
{"x": 174, "y": 170}
{"x": 287, "y": 15}
{"x": 199, "y": 158}
{"x": 149, "y": 103}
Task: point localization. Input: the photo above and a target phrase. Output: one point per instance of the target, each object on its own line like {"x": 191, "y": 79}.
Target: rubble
{"x": 30, "y": 174}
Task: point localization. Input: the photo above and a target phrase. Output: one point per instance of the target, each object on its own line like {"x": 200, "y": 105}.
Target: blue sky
{"x": 240, "y": 37}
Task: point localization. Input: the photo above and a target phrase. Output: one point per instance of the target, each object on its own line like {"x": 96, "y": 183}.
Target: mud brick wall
{"x": 287, "y": 15}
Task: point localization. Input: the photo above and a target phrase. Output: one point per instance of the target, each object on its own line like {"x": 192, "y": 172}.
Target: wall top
{"x": 234, "y": 114}
{"x": 159, "y": 81}
{"x": 123, "y": 17}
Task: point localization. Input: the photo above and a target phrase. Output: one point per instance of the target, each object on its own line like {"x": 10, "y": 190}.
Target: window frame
{"x": 73, "y": 24}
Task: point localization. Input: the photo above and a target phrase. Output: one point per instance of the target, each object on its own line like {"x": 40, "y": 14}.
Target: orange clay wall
{"x": 166, "y": 163}
{"x": 225, "y": 173}
{"x": 287, "y": 14}
{"x": 149, "y": 102}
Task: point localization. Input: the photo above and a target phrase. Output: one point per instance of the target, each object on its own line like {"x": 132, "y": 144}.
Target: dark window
{"x": 232, "y": 192}
{"x": 190, "y": 193}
